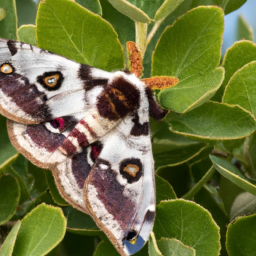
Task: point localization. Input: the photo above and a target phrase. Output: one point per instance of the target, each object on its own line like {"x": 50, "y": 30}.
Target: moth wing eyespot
{"x": 6, "y": 68}
{"x": 131, "y": 236}
{"x": 51, "y": 80}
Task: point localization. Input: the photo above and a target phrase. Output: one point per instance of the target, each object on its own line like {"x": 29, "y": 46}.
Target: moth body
{"x": 91, "y": 128}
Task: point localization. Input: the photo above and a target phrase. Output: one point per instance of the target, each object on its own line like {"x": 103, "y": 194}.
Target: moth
{"x": 91, "y": 128}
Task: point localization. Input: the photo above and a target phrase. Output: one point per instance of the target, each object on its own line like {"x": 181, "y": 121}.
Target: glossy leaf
{"x": 189, "y": 223}
{"x": 232, "y": 122}
{"x": 58, "y": 199}
{"x": 230, "y": 172}
{"x": 174, "y": 247}
{"x": 164, "y": 190}
{"x": 8, "y": 245}
{"x": 241, "y": 88}
{"x": 241, "y": 236}
{"x": 27, "y": 34}
{"x": 9, "y": 197}
{"x": 8, "y": 25}
{"x": 166, "y": 8}
{"x": 40, "y": 231}
{"x": 244, "y": 31}
{"x": 194, "y": 62}
{"x": 85, "y": 38}
{"x": 92, "y": 5}
{"x": 238, "y": 55}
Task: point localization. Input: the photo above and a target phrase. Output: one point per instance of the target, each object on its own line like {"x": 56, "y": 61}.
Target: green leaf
{"x": 193, "y": 191}
{"x": 241, "y": 88}
{"x": 6, "y": 150}
{"x": 40, "y": 231}
{"x": 8, "y": 245}
{"x": 244, "y": 204}
{"x": 177, "y": 156}
{"x": 192, "y": 92}
{"x": 166, "y": 8}
{"x": 232, "y": 122}
{"x": 244, "y": 31}
{"x": 39, "y": 184}
{"x": 189, "y": 223}
{"x": 24, "y": 192}
{"x": 8, "y": 162}
{"x": 174, "y": 247}
{"x": 227, "y": 5}
{"x": 228, "y": 192}
{"x": 230, "y": 172}
{"x": 8, "y": 25}
{"x": 164, "y": 190}
{"x": 105, "y": 248}
{"x": 208, "y": 198}
{"x": 27, "y": 34}
{"x": 84, "y": 245}
{"x": 239, "y": 54}
{"x": 46, "y": 198}
{"x": 194, "y": 62}
{"x": 58, "y": 199}
{"x": 26, "y": 10}
{"x": 9, "y": 197}
{"x": 85, "y": 38}
{"x": 79, "y": 221}
{"x": 152, "y": 246}
{"x": 92, "y": 5}
{"x": 241, "y": 236}
{"x": 250, "y": 151}
{"x": 154, "y": 34}
{"x": 178, "y": 176}
{"x": 122, "y": 24}
{"x": 130, "y": 10}
{"x": 2, "y": 14}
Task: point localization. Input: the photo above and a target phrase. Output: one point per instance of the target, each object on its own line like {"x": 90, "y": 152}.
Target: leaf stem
{"x": 153, "y": 30}
{"x": 192, "y": 192}
{"x": 141, "y": 36}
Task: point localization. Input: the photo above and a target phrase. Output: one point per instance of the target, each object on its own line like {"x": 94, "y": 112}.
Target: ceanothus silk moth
{"x": 91, "y": 128}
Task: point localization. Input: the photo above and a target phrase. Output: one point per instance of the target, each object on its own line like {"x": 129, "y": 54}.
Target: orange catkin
{"x": 135, "y": 58}
{"x": 160, "y": 82}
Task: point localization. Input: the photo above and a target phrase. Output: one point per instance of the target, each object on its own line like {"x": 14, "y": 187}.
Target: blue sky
{"x": 248, "y": 10}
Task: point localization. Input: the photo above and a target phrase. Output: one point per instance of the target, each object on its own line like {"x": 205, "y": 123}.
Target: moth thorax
{"x": 118, "y": 99}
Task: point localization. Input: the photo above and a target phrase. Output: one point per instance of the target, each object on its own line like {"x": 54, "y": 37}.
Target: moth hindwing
{"x": 91, "y": 128}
